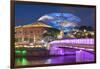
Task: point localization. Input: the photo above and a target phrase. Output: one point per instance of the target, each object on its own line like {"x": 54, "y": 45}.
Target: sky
{"x": 30, "y": 13}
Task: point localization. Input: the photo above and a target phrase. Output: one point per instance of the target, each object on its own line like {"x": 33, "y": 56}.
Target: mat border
{"x": 12, "y": 25}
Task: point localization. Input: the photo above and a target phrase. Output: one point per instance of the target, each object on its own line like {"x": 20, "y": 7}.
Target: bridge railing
{"x": 74, "y": 41}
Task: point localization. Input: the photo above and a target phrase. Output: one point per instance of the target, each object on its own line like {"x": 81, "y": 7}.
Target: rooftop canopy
{"x": 36, "y": 24}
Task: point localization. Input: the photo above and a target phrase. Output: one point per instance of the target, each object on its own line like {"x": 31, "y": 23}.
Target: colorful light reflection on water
{"x": 79, "y": 56}
{"x": 21, "y": 61}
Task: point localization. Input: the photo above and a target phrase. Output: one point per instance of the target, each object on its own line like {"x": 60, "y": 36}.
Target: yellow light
{"x": 92, "y": 33}
{"x": 86, "y": 34}
{"x": 17, "y": 46}
{"x": 25, "y": 46}
{"x": 39, "y": 46}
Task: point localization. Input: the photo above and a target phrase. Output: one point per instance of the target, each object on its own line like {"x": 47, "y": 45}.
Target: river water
{"x": 78, "y": 56}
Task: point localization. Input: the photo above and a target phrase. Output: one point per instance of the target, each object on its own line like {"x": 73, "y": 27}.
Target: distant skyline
{"x": 30, "y": 13}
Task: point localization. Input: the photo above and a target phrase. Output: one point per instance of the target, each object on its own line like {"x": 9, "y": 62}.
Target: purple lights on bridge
{"x": 55, "y": 46}
{"x": 75, "y": 41}
{"x": 55, "y": 50}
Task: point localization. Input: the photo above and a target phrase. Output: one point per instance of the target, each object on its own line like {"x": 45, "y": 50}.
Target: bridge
{"x": 69, "y": 46}
{"x": 59, "y": 47}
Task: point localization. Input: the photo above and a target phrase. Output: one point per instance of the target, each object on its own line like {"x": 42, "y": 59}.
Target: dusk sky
{"x": 30, "y": 13}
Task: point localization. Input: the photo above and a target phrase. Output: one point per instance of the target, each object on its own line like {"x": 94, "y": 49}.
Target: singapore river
{"x": 76, "y": 56}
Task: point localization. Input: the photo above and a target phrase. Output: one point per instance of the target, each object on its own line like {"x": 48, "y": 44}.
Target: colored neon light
{"x": 75, "y": 41}
{"x": 24, "y": 52}
{"x": 24, "y": 61}
{"x": 17, "y": 52}
{"x": 55, "y": 50}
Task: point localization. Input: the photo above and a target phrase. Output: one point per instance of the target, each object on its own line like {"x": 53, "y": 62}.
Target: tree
{"x": 51, "y": 34}
{"x": 82, "y": 28}
{"x": 88, "y": 28}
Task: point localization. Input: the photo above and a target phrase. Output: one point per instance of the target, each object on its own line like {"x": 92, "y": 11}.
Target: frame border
{"x": 12, "y": 29}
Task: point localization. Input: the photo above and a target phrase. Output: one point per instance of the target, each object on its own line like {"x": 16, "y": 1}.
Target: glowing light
{"x": 55, "y": 50}
{"x": 85, "y": 30}
{"x": 24, "y": 52}
{"x": 78, "y": 41}
{"x": 25, "y": 46}
{"x": 24, "y": 61}
{"x": 90, "y": 49}
{"x": 17, "y": 46}
{"x": 17, "y": 51}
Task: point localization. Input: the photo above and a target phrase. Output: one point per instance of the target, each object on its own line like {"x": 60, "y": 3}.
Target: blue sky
{"x": 30, "y": 13}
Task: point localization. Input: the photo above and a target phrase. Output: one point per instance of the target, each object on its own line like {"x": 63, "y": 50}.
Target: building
{"x": 31, "y": 33}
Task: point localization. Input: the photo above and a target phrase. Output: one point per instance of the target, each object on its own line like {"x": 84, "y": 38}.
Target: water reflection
{"x": 21, "y": 61}
{"x": 79, "y": 56}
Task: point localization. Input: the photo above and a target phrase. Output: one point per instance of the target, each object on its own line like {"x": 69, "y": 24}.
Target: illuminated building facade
{"x": 31, "y": 33}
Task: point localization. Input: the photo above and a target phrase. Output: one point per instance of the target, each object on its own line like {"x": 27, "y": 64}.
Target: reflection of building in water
{"x": 30, "y": 33}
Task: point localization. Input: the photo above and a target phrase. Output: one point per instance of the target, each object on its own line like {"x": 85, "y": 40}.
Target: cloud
{"x": 45, "y": 17}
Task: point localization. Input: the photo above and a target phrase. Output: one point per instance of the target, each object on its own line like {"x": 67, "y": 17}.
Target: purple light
{"x": 54, "y": 45}
{"x": 54, "y": 50}
{"x": 83, "y": 56}
{"x": 74, "y": 41}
